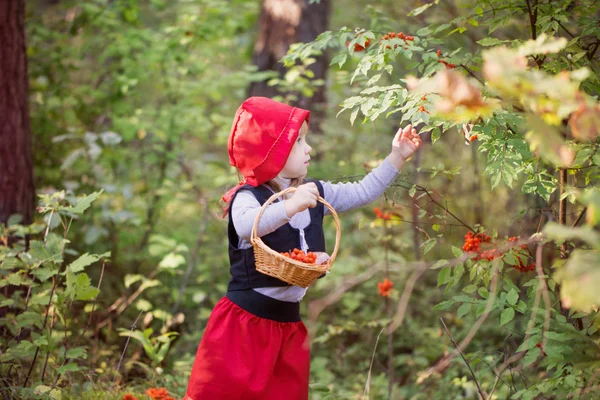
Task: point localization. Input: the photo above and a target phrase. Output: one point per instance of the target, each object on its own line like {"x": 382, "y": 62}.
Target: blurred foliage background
{"x": 131, "y": 103}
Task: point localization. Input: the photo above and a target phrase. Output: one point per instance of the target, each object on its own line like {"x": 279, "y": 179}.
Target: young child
{"x": 255, "y": 344}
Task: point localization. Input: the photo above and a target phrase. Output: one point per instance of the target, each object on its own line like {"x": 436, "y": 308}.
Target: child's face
{"x": 297, "y": 162}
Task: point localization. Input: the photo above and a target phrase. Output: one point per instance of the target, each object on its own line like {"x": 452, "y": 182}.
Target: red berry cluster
{"x": 358, "y": 47}
{"x": 522, "y": 267}
{"x": 473, "y": 245}
{"x": 299, "y": 255}
{"x": 385, "y": 287}
{"x": 446, "y": 63}
{"x": 473, "y": 241}
{"x": 388, "y": 36}
{"x": 422, "y": 107}
{"x": 399, "y": 35}
{"x": 382, "y": 214}
{"x": 489, "y": 255}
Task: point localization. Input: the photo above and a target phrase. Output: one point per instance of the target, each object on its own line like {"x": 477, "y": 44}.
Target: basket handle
{"x": 320, "y": 199}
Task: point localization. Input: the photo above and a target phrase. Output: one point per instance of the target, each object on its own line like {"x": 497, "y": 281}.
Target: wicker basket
{"x": 277, "y": 265}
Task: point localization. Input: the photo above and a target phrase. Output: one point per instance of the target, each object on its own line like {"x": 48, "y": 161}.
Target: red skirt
{"x": 242, "y": 356}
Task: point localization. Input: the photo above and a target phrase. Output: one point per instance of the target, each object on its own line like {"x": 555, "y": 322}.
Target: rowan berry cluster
{"x": 473, "y": 241}
{"x": 393, "y": 35}
{"x": 522, "y": 267}
{"x": 388, "y": 36}
{"x": 446, "y": 63}
{"x": 385, "y": 287}
{"x": 382, "y": 214}
{"x": 299, "y": 255}
{"x": 473, "y": 245}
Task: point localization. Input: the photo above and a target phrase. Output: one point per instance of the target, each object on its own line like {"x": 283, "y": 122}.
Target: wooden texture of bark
{"x": 17, "y": 192}
{"x": 282, "y": 23}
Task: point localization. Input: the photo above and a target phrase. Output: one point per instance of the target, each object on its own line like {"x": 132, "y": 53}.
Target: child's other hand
{"x": 405, "y": 144}
{"x": 322, "y": 257}
{"x": 304, "y": 197}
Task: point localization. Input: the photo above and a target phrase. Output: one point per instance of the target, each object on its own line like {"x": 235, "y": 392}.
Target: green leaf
{"x": 456, "y": 251}
{"x": 428, "y": 245}
{"x": 444, "y": 276}
{"x": 319, "y": 387}
{"x": 85, "y": 260}
{"x": 529, "y": 343}
{"x": 512, "y": 297}
{"x": 79, "y": 288}
{"x": 561, "y": 337}
{"x": 70, "y": 367}
{"x": 81, "y": 203}
{"x": 463, "y": 310}
{"x": 45, "y": 273}
{"x": 444, "y": 305}
{"x": 483, "y": 292}
{"x": 507, "y": 315}
{"x": 172, "y": 260}
{"x": 531, "y": 356}
{"x": 339, "y": 59}
{"x": 470, "y": 289}
{"x": 29, "y": 319}
{"x": 48, "y": 392}
{"x": 490, "y": 41}
{"x": 77, "y": 352}
{"x": 51, "y": 251}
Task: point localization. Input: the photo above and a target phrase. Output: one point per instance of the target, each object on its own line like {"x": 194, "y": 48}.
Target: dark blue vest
{"x": 243, "y": 271}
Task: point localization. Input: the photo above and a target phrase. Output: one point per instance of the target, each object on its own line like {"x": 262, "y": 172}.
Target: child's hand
{"x": 304, "y": 197}
{"x": 405, "y": 144}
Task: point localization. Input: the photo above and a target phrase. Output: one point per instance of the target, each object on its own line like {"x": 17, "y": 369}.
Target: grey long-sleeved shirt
{"x": 341, "y": 196}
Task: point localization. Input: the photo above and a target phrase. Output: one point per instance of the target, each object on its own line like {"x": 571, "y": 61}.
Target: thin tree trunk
{"x": 281, "y": 23}
{"x": 17, "y": 192}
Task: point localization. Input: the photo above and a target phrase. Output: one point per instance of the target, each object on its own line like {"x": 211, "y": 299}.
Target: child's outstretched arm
{"x": 347, "y": 196}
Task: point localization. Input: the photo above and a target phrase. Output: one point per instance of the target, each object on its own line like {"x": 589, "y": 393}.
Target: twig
{"x": 465, "y": 360}
{"x": 423, "y": 189}
{"x": 470, "y": 72}
{"x": 125, "y": 348}
{"x": 578, "y": 220}
{"x": 365, "y": 395}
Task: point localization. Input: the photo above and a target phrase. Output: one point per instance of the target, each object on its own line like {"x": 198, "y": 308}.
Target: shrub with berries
{"x": 299, "y": 255}
{"x": 394, "y": 35}
{"x": 385, "y": 287}
{"x": 473, "y": 245}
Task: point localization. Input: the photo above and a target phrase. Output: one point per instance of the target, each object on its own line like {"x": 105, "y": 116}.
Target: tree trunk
{"x": 17, "y": 192}
{"x": 281, "y": 23}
